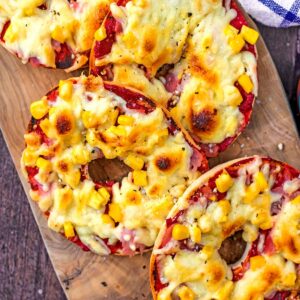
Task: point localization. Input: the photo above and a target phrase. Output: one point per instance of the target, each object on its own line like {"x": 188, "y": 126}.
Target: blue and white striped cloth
{"x": 275, "y": 13}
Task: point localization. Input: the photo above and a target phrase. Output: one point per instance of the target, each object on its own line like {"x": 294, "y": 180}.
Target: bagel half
{"x": 232, "y": 235}
{"x": 52, "y": 33}
{"x": 196, "y": 58}
{"x": 106, "y": 164}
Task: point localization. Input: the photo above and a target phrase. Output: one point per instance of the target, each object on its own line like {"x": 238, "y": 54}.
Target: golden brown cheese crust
{"x": 247, "y": 195}
{"x": 84, "y": 120}
{"x": 36, "y": 30}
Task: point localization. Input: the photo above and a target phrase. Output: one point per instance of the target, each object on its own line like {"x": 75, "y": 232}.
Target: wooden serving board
{"x": 84, "y": 275}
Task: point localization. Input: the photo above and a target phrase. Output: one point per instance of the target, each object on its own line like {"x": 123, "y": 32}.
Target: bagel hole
{"x": 233, "y": 248}
{"x": 102, "y": 170}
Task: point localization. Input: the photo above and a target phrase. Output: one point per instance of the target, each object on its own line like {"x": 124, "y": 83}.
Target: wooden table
{"x": 25, "y": 268}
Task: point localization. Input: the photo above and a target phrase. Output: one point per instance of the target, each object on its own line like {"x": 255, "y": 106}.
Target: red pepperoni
{"x": 112, "y": 27}
{"x": 52, "y": 95}
{"x": 158, "y": 285}
{"x": 64, "y": 58}
{"x": 172, "y": 82}
{"x": 283, "y": 295}
{"x": 167, "y": 235}
{"x": 240, "y": 19}
{"x": 133, "y": 99}
{"x": 113, "y": 248}
{"x": 44, "y": 138}
{"x": 3, "y": 31}
{"x": 247, "y": 103}
{"x": 172, "y": 128}
{"x": 76, "y": 240}
{"x": 31, "y": 172}
{"x": 269, "y": 247}
{"x": 172, "y": 221}
{"x": 239, "y": 272}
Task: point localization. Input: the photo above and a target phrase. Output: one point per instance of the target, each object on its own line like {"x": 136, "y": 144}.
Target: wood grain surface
{"x": 84, "y": 275}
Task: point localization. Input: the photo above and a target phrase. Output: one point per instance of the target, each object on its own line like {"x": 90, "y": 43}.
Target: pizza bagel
{"x": 197, "y": 58}
{"x": 52, "y": 33}
{"x": 105, "y": 164}
{"x": 234, "y": 234}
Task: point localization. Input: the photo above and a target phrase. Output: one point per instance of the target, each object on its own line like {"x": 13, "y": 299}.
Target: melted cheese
{"x": 31, "y": 28}
{"x": 154, "y": 33}
{"x": 192, "y": 36}
{"x": 202, "y": 275}
{"x": 286, "y": 231}
{"x": 218, "y": 220}
{"x": 132, "y": 76}
{"x": 275, "y": 274}
{"x": 210, "y": 71}
{"x": 76, "y": 140}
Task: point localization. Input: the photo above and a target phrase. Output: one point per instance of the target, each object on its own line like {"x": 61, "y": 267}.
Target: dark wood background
{"x": 25, "y": 269}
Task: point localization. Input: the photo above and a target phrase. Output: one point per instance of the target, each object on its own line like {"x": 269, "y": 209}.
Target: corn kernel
{"x": 267, "y": 224}
{"x": 69, "y": 229}
{"x": 44, "y": 164}
{"x": 261, "y": 181}
{"x": 10, "y": 35}
{"x": 251, "y": 193}
{"x": 296, "y": 201}
{"x": 224, "y": 182}
{"x": 45, "y": 125}
{"x": 125, "y": 120}
{"x": 73, "y": 178}
{"x": 95, "y": 200}
{"x": 104, "y": 193}
{"x": 250, "y": 233}
{"x": 207, "y": 252}
{"x": 32, "y": 139}
{"x": 29, "y": 11}
{"x": 250, "y": 35}
{"x": 65, "y": 89}
{"x": 260, "y": 217}
{"x": 246, "y": 83}
{"x": 185, "y": 293}
{"x": 134, "y": 162}
{"x": 213, "y": 198}
{"x": 80, "y": 155}
{"x": 100, "y": 34}
{"x": 133, "y": 197}
{"x": 237, "y": 43}
{"x": 140, "y": 178}
{"x": 289, "y": 279}
{"x": 257, "y": 262}
{"x": 230, "y": 31}
{"x": 29, "y": 158}
{"x": 129, "y": 39}
{"x": 118, "y": 130}
{"x": 89, "y": 119}
{"x": 115, "y": 212}
{"x": 39, "y": 109}
{"x": 180, "y": 232}
{"x": 221, "y": 213}
{"x": 106, "y": 219}
{"x": 205, "y": 223}
{"x": 64, "y": 198}
{"x": 195, "y": 233}
{"x": 58, "y": 34}
{"x": 225, "y": 291}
